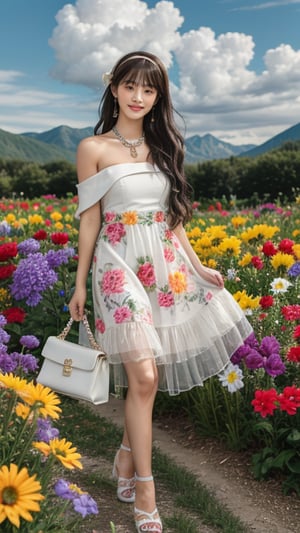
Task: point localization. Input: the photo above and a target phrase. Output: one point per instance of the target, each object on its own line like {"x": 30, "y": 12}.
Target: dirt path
{"x": 260, "y": 505}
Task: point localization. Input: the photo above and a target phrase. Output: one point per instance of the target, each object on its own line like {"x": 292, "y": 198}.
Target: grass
{"x": 95, "y": 436}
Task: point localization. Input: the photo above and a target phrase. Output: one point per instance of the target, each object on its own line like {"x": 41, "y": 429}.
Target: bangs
{"x": 146, "y": 75}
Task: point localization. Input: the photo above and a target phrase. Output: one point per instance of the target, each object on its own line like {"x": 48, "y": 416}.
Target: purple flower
{"x": 5, "y": 228}
{"x": 32, "y": 277}
{"x": 29, "y": 341}
{"x": 62, "y": 489}
{"x": 85, "y": 504}
{"x": 56, "y": 258}
{"x": 274, "y": 366}
{"x": 3, "y": 321}
{"x": 30, "y": 246}
{"x": 46, "y": 432}
{"x": 254, "y": 360}
{"x": 4, "y": 336}
{"x": 240, "y": 353}
{"x": 7, "y": 363}
{"x": 269, "y": 346}
{"x": 294, "y": 270}
{"x": 252, "y": 341}
{"x": 27, "y": 362}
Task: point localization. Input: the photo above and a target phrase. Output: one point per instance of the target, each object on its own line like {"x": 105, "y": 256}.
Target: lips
{"x": 135, "y": 108}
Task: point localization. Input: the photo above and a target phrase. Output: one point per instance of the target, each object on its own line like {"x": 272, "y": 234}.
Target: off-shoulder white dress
{"x": 149, "y": 301}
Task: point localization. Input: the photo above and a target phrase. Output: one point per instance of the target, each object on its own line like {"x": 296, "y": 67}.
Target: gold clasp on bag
{"x": 67, "y": 368}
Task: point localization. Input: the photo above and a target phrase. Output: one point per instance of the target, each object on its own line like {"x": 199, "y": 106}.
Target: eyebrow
{"x": 145, "y": 84}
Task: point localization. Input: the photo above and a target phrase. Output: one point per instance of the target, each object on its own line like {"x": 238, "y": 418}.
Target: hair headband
{"x": 107, "y": 76}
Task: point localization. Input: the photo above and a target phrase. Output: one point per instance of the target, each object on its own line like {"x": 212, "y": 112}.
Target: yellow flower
{"x": 23, "y": 221}
{"x": 259, "y": 231}
{"x": 59, "y": 226}
{"x": 35, "y": 219}
{"x": 282, "y": 260}
{"x": 194, "y": 233}
{"x": 296, "y": 250}
{"x": 129, "y": 218}
{"x": 177, "y": 282}
{"x": 10, "y": 218}
{"x": 238, "y": 221}
{"x": 211, "y": 263}
{"x": 245, "y": 301}
{"x": 56, "y": 216}
{"x": 10, "y": 381}
{"x": 246, "y": 259}
{"x": 230, "y": 246}
{"x": 19, "y": 494}
{"x": 4, "y": 297}
{"x": 62, "y": 450}
{"x": 23, "y": 411}
{"x": 216, "y": 233}
{"x": 43, "y": 399}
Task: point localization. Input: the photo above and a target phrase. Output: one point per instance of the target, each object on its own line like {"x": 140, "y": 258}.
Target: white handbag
{"x": 77, "y": 371}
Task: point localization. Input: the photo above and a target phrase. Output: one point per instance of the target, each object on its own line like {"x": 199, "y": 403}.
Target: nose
{"x": 137, "y": 96}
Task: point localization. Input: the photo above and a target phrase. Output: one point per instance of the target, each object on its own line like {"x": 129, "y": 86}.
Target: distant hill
{"x": 291, "y": 134}
{"x": 61, "y": 143}
{"x": 62, "y": 136}
{"x": 210, "y": 147}
{"x": 14, "y": 146}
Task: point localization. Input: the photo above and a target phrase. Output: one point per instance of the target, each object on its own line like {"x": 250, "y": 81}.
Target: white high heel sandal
{"x": 126, "y": 486}
{"x": 150, "y": 522}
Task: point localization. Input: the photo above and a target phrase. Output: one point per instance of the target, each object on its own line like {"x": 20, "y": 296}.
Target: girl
{"x": 165, "y": 319}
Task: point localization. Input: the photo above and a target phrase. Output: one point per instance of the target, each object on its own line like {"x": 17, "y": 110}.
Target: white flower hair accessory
{"x": 107, "y": 77}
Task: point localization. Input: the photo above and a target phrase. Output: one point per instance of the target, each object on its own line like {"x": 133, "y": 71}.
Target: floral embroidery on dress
{"x": 145, "y": 273}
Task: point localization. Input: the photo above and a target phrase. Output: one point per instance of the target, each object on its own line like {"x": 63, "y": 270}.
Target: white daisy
{"x": 280, "y": 285}
{"x": 232, "y": 378}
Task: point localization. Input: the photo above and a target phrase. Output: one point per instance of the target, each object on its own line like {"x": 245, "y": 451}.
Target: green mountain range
{"x": 60, "y": 144}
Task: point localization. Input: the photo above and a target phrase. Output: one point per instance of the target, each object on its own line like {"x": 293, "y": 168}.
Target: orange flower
{"x": 62, "y": 450}
{"x": 129, "y": 218}
{"x": 177, "y": 282}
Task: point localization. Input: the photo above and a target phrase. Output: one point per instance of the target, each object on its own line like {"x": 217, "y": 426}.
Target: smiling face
{"x": 135, "y": 98}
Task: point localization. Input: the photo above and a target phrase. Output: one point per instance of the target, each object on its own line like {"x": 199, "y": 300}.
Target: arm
{"x": 90, "y": 223}
{"x": 209, "y": 274}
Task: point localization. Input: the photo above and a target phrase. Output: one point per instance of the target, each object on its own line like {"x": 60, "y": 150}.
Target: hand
{"x": 77, "y": 304}
{"x": 212, "y": 276}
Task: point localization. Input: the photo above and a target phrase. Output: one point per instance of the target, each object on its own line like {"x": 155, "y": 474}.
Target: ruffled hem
{"x": 186, "y": 354}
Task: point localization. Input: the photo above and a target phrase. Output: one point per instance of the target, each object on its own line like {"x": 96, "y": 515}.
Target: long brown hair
{"x": 162, "y": 135}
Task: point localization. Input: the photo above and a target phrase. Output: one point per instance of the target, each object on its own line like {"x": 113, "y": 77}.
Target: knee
{"x": 146, "y": 382}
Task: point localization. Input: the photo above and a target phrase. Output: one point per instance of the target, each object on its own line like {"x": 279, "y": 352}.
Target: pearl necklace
{"x": 129, "y": 144}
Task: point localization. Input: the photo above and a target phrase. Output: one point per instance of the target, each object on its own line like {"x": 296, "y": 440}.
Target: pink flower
{"x": 114, "y": 232}
{"x": 257, "y": 262}
{"x": 100, "y": 326}
{"x": 109, "y": 216}
{"x": 165, "y": 299}
{"x": 169, "y": 255}
{"x": 113, "y": 281}
{"x": 159, "y": 216}
{"x": 122, "y": 314}
{"x": 146, "y": 274}
{"x": 208, "y": 296}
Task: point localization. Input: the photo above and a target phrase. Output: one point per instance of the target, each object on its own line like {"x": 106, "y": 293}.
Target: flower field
{"x": 254, "y": 405}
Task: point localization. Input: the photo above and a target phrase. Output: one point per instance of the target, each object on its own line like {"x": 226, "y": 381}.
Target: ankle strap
{"x": 123, "y": 447}
{"x": 141, "y": 478}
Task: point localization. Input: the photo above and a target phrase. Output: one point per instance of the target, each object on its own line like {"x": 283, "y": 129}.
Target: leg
{"x": 142, "y": 388}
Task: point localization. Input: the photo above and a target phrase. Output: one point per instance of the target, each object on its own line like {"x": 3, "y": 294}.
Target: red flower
{"x": 296, "y": 333}
{"x": 264, "y": 402}
{"x": 266, "y": 301}
{"x": 14, "y": 314}
{"x": 257, "y": 262}
{"x": 24, "y": 205}
{"x": 269, "y": 249}
{"x": 291, "y": 312}
{"x": 8, "y": 250}
{"x": 294, "y": 354}
{"x": 289, "y": 400}
{"x": 286, "y": 246}
{"x": 6, "y": 271}
{"x": 40, "y": 235}
{"x": 59, "y": 238}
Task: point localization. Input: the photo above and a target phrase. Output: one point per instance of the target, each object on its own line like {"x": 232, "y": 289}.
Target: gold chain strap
{"x": 90, "y": 335}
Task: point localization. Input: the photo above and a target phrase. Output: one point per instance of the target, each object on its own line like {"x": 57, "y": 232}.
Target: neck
{"x": 130, "y": 130}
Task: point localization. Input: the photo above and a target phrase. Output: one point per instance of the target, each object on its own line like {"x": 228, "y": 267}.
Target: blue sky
{"x": 234, "y": 64}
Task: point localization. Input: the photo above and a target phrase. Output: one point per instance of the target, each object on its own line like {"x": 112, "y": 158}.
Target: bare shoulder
{"x": 91, "y": 152}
